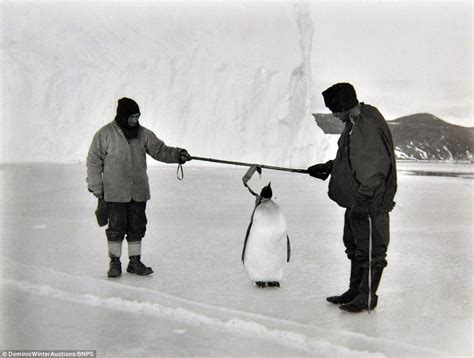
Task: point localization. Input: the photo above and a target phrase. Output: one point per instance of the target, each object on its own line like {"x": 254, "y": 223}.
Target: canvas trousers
{"x": 126, "y": 219}
{"x": 356, "y": 237}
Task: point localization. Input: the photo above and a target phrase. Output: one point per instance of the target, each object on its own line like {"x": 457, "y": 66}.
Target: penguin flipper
{"x": 288, "y": 249}
{"x": 258, "y": 201}
{"x": 246, "y": 238}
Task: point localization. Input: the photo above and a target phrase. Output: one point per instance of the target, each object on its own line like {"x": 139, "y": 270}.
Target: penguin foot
{"x": 260, "y": 284}
{"x": 274, "y": 284}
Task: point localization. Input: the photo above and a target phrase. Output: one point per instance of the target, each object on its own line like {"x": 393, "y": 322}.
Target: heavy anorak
{"x": 365, "y": 162}
{"x": 117, "y": 167}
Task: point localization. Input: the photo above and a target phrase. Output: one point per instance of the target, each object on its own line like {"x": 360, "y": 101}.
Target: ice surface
{"x": 55, "y": 294}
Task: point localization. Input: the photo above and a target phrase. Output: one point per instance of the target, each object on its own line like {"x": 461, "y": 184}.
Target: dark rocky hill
{"x": 419, "y": 136}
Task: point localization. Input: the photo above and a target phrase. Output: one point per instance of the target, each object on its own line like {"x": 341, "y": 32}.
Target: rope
{"x": 248, "y": 176}
{"x": 180, "y": 169}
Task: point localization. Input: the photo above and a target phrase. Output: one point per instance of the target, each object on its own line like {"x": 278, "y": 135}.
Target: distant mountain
{"x": 419, "y": 136}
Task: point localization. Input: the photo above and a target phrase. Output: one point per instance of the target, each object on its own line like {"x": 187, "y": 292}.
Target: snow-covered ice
{"x": 55, "y": 294}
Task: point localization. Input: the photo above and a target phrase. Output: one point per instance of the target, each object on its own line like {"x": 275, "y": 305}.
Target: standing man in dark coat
{"x": 117, "y": 175}
{"x": 364, "y": 181}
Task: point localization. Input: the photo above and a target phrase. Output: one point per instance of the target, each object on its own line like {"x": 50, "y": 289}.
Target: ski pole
{"x": 293, "y": 170}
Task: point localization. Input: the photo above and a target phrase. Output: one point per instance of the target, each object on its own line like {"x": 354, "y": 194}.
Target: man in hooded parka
{"x": 364, "y": 181}
{"x": 117, "y": 176}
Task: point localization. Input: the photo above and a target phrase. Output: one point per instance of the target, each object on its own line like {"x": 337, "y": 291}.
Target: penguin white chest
{"x": 266, "y": 250}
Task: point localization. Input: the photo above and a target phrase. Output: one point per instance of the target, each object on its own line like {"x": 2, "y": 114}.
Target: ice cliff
{"x": 224, "y": 80}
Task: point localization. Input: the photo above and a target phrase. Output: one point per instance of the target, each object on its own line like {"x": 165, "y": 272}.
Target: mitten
{"x": 321, "y": 171}
{"x": 183, "y": 156}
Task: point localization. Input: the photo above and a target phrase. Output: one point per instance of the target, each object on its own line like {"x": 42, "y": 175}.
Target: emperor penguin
{"x": 267, "y": 245}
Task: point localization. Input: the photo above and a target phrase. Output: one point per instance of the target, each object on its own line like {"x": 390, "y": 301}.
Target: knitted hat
{"x": 127, "y": 107}
{"x": 340, "y": 97}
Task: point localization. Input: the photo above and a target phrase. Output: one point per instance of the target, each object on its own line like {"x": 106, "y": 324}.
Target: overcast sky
{"x": 403, "y": 57}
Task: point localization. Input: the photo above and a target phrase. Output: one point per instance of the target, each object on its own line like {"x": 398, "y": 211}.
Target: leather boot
{"x": 115, "y": 267}
{"x": 364, "y": 300}
{"x": 354, "y": 283}
{"x": 137, "y": 267}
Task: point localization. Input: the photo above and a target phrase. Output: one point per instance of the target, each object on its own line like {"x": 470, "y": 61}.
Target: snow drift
{"x": 226, "y": 80}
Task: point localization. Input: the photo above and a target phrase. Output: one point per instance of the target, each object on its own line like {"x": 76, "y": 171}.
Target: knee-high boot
{"x": 366, "y": 300}
{"x": 354, "y": 284}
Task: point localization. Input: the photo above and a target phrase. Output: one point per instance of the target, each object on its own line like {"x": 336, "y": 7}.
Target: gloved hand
{"x": 184, "y": 156}
{"x": 321, "y": 171}
{"x": 102, "y": 212}
{"x": 360, "y": 209}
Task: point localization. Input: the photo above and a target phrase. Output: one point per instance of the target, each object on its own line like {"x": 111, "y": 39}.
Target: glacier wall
{"x": 224, "y": 80}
